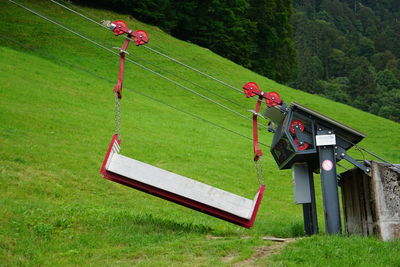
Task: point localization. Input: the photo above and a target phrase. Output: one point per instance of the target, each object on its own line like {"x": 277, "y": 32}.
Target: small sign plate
{"x": 325, "y": 140}
{"x": 327, "y": 165}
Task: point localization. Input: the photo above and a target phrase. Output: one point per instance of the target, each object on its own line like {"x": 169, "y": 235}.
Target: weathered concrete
{"x": 371, "y": 204}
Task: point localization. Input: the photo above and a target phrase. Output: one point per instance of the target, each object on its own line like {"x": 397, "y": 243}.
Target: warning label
{"x": 327, "y": 165}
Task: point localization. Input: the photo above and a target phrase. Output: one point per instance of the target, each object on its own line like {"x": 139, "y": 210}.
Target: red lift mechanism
{"x": 140, "y": 37}
{"x": 271, "y": 99}
{"x": 298, "y": 124}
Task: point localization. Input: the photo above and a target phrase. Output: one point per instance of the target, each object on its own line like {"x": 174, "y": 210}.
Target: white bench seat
{"x": 180, "y": 189}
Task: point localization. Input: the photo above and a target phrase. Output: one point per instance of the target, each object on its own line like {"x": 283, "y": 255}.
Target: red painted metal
{"x": 120, "y": 27}
{"x": 139, "y": 37}
{"x": 110, "y": 146}
{"x": 247, "y": 223}
{"x": 250, "y": 89}
{"x": 257, "y": 151}
{"x": 118, "y": 86}
{"x": 302, "y": 147}
{"x": 271, "y": 98}
{"x": 292, "y": 127}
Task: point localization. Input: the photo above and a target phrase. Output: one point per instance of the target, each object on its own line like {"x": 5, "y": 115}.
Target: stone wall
{"x": 371, "y": 204}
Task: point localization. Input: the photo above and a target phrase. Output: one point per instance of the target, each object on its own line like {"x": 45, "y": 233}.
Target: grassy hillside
{"x": 56, "y": 122}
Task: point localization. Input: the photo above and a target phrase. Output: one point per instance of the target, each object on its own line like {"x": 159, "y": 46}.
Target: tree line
{"x": 256, "y": 34}
{"x": 346, "y": 50}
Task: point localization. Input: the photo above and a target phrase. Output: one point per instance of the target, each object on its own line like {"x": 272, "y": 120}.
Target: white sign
{"x": 327, "y": 165}
{"x": 325, "y": 140}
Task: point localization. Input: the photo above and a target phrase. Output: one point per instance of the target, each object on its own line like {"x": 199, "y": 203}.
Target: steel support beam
{"x": 329, "y": 187}
{"x": 310, "y": 209}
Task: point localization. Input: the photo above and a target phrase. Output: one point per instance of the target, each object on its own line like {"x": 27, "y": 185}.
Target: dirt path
{"x": 266, "y": 251}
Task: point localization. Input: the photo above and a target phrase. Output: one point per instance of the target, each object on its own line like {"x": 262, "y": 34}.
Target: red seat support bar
{"x": 247, "y": 223}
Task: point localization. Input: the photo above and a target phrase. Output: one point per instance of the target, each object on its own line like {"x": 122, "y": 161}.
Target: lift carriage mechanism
{"x": 167, "y": 185}
{"x": 304, "y": 141}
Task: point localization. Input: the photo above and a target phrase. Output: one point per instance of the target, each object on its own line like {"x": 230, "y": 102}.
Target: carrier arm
{"x": 271, "y": 99}
{"x": 139, "y": 37}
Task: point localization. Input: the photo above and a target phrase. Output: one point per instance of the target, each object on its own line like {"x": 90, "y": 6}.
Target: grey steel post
{"x": 304, "y": 194}
{"x": 310, "y": 209}
{"x": 326, "y": 141}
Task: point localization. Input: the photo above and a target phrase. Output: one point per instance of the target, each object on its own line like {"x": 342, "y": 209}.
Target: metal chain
{"x": 153, "y": 50}
{"x": 118, "y": 116}
{"x": 134, "y": 62}
{"x": 260, "y": 172}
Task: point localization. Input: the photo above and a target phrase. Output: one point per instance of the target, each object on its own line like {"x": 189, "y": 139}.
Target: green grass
{"x": 339, "y": 251}
{"x": 56, "y": 122}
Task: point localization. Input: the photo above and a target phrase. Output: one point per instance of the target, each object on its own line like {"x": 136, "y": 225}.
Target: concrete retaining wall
{"x": 371, "y": 204}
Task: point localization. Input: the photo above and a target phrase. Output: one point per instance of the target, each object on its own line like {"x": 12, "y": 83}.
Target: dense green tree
{"x": 343, "y": 48}
{"x": 274, "y": 52}
{"x": 335, "y": 89}
{"x": 222, "y": 26}
{"x": 388, "y": 79}
{"x": 362, "y": 83}
{"x": 337, "y": 63}
{"x": 310, "y": 72}
{"x": 353, "y": 39}
{"x": 390, "y": 105}
{"x": 381, "y": 59}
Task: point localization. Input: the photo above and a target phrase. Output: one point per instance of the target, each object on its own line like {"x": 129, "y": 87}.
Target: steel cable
{"x": 130, "y": 60}
{"x": 186, "y": 80}
{"x": 155, "y": 51}
{"x": 47, "y": 55}
{"x": 164, "y": 77}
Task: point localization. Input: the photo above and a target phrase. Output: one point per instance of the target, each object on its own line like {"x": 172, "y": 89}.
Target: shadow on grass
{"x": 161, "y": 224}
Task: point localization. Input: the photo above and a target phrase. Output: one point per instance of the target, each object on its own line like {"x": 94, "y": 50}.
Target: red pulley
{"x": 140, "y": 37}
{"x": 299, "y": 125}
{"x": 250, "y": 88}
{"x": 120, "y": 27}
{"x": 295, "y": 123}
{"x": 272, "y": 99}
{"x": 302, "y": 147}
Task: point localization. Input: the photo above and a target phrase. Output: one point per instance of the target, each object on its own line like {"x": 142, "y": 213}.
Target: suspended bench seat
{"x": 179, "y": 189}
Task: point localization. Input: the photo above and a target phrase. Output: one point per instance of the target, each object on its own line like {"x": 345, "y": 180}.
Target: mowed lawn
{"x": 57, "y": 120}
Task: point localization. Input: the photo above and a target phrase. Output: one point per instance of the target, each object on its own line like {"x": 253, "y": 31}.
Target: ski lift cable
{"x": 97, "y": 19}
{"x": 132, "y": 61}
{"x": 193, "y": 83}
{"x": 371, "y": 153}
{"x": 47, "y": 55}
{"x": 111, "y": 51}
{"x": 155, "y": 51}
{"x": 186, "y": 80}
{"x": 191, "y": 68}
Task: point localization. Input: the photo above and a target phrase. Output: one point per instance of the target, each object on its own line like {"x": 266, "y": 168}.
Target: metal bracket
{"x": 303, "y": 137}
{"x": 341, "y": 154}
{"x": 256, "y": 113}
{"x": 121, "y": 50}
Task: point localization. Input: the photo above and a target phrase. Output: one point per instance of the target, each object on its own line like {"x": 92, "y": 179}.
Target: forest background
{"x": 345, "y": 50}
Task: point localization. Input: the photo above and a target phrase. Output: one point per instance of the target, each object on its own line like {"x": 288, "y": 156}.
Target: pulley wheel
{"x": 119, "y": 25}
{"x": 302, "y": 147}
{"x": 141, "y": 37}
{"x": 295, "y": 123}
